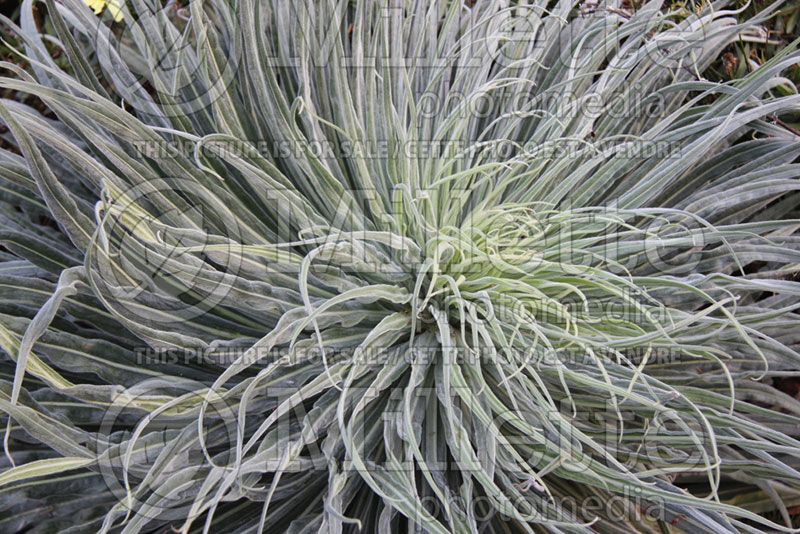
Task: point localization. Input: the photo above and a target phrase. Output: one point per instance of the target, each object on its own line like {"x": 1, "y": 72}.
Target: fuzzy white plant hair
{"x": 388, "y": 267}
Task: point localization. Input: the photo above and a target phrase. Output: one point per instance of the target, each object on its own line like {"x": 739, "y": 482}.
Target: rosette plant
{"x": 354, "y": 266}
